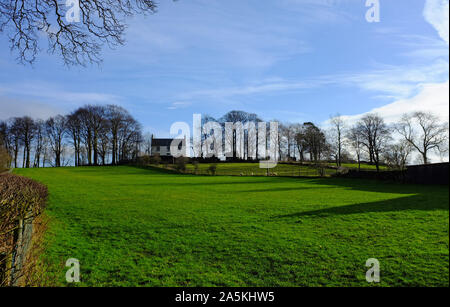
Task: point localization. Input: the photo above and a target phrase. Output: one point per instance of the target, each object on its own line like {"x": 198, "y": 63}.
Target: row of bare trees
{"x": 369, "y": 140}
{"x": 92, "y": 134}
{"x": 373, "y": 140}
{"x": 109, "y": 134}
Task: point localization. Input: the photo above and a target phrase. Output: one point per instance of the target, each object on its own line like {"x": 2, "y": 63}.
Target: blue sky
{"x": 291, "y": 60}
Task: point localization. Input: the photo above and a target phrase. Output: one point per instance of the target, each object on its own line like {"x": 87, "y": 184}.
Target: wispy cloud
{"x": 398, "y": 81}
{"x": 436, "y": 12}
{"x": 426, "y": 88}
{"x": 432, "y": 97}
{"x": 13, "y": 107}
{"x": 254, "y": 89}
{"x": 394, "y": 81}
{"x": 231, "y": 34}
{"x": 179, "y": 105}
{"x": 430, "y": 83}
{"x": 42, "y": 91}
{"x": 321, "y": 11}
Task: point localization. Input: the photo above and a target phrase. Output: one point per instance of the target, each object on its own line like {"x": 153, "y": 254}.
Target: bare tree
{"x": 374, "y": 136}
{"x": 213, "y": 143}
{"x": 130, "y": 136}
{"x": 282, "y": 140}
{"x": 14, "y": 133}
{"x": 73, "y": 122}
{"x": 56, "y": 129}
{"x": 101, "y": 22}
{"x": 116, "y": 116}
{"x": 286, "y": 139}
{"x": 338, "y": 133}
{"x": 198, "y": 146}
{"x": 252, "y": 139}
{"x": 39, "y": 142}
{"x": 85, "y": 134}
{"x": 96, "y": 121}
{"x": 301, "y": 142}
{"x": 355, "y": 138}
{"x": 26, "y": 130}
{"x": 315, "y": 141}
{"x": 235, "y": 120}
{"x": 5, "y": 159}
{"x": 4, "y": 140}
{"x": 424, "y": 132}
{"x": 104, "y": 140}
{"x": 147, "y": 142}
{"x": 397, "y": 155}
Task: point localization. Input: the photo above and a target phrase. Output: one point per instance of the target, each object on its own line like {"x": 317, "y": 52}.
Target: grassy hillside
{"x": 136, "y": 227}
{"x": 247, "y": 169}
{"x": 363, "y": 166}
{"x": 282, "y": 169}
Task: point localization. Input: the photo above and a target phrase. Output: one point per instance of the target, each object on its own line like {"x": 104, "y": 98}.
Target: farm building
{"x": 162, "y": 146}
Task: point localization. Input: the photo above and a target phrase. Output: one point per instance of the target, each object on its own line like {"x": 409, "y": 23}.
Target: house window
{"x": 157, "y": 148}
{"x": 168, "y": 148}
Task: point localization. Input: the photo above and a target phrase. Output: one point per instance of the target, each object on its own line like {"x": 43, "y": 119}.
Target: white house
{"x": 162, "y": 146}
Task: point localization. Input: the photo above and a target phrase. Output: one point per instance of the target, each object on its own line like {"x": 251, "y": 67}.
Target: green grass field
{"x": 363, "y": 166}
{"x": 142, "y": 227}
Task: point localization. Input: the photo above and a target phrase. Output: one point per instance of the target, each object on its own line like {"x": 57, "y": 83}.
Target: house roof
{"x": 163, "y": 142}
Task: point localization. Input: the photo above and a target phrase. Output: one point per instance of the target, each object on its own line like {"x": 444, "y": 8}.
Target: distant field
{"x": 282, "y": 169}
{"x": 248, "y": 169}
{"x": 146, "y": 227}
{"x": 363, "y": 166}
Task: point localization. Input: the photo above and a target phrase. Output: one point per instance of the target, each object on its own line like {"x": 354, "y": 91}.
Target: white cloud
{"x": 428, "y": 93}
{"x": 436, "y": 13}
{"x": 398, "y": 81}
{"x": 419, "y": 88}
{"x": 432, "y": 97}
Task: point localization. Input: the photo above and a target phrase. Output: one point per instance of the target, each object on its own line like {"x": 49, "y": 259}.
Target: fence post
{"x": 16, "y": 255}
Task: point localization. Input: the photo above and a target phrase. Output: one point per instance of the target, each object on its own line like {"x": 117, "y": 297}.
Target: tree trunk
{"x": 24, "y": 157}
{"x": 114, "y": 144}
{"x": 89, "y": 149}
{"x": 95, "y": 148}
{"x": 425, "y": 158}
{"x": 16, "y": 153}
{"x": 28, "y": 156}
{"x": 75, "y": 151}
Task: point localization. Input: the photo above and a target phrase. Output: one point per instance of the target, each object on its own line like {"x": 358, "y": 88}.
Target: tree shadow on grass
{"x": 282, "y": 189}
{"x": 415, "y": 202}
{"x": 156, "y": 170}
{"x": 193, "y": 184}
{"x": 419, "y": 197}
{"x": 379, "y": 186}
{"x": 412, "y": 197}
{"x": 213, "y": 180}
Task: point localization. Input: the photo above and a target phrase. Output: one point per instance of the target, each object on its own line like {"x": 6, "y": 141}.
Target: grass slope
{"x": 236, "y": 169}
{"x": 282, "y": 169}
{"x": 135, "y": 227}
